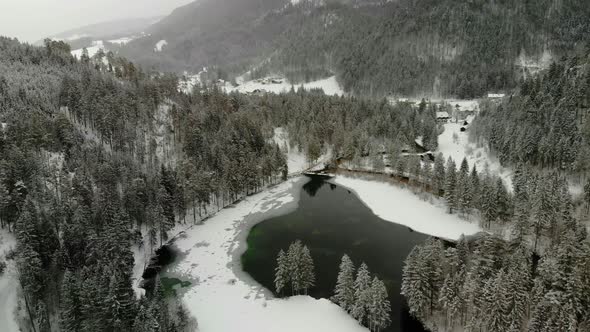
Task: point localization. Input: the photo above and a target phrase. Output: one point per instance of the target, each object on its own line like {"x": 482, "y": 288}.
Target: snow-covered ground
{"x": 92, "y": 50}
{"x": 121, "y": 41}
{"x": 329, "y": 85}
{"x": 455, "y": 144}
{"x": 224, "y": 298}
{"x": 403, "y": 207}
{"x": 160, "y": 45}
{"x": 8, "y": 286}
{"x": 296, "y": 159}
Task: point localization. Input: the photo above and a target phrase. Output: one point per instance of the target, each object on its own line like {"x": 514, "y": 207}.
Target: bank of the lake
{"x": 331, "y": 221}
{"x": 222, "y": 296}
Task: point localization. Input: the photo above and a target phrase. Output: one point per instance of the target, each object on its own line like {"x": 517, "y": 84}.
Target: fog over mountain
{"x": 32, "y": 20}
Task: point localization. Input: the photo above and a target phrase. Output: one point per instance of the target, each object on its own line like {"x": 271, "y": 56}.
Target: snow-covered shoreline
{"x": 225, "y": 298}
{"x": 403, "y": 207}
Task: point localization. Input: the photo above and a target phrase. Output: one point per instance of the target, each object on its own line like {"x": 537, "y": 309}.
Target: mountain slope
{"x": 403, "y": 47}
{"x": 114, "y": 28}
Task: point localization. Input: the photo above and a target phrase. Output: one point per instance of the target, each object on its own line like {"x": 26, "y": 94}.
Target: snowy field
{"x": 8, "y": 286}
{"x": 296, "y": 159}
{"x": 160, "y": 45}
{"x": 459, "y": 147}
{"x": 329, "y": 85}
{"x": 403, "y": 207}
{"x": 92, "y": 50}
{"x": 224, "y": 298}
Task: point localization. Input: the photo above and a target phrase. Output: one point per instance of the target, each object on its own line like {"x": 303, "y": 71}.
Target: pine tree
{"x": 306, "y": 270}
{"x": 474, "y": 184}
{"x": 438, "y": 175}
{"x": 415, "y": 284}
{"x": 344, "y": 291}
{"x": 294, "y": 263}
{"x": 362, "y": 295}
{"x": 379, "y": 307}
{"x": 71, "y": 308}
{"x": 281, "y": 272}
{"x": 451, "y": 185}
{"x": 463, "y": 190}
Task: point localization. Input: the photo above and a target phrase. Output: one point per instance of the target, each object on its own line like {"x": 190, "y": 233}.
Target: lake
{"x": 332, "y": 221}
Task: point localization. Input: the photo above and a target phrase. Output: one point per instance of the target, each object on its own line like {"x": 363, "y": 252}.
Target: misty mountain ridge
{"x": 108, "y": 29}
{"x": 375, "y": 48}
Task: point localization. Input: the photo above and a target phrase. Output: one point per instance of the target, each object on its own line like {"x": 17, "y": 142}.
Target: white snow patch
{"x": 121, "y": 41}
{"x": 8, "y": 285}
{"x": 188, "y": 82}
{"x": 401, "y": 206}
{"x": 296, "y": 160}
{"x": 329, "y": 85}
{"x": 92, "y": 50}
{"x": 459, "y": 147}
{"x": 160, "y": 45}
{"x": 72, "y": 37}
{"x": 223, "y": 301}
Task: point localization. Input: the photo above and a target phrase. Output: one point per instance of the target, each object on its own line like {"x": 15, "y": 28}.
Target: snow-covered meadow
{"x": 329, "y": 85}
{"x": 92, "y": 50}
{"x": 455, "y": 144}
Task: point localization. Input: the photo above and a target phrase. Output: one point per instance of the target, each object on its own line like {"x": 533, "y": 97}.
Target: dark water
{"x": 332, "y": 221}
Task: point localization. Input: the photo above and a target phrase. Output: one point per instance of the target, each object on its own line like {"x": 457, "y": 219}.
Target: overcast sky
{"x": 31, "y": 20}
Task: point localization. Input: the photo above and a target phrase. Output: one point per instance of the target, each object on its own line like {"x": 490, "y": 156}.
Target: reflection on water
{"x": 332, "y": 221}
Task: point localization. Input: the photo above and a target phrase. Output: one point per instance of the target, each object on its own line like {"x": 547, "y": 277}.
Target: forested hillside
{"x": 81, "y": 174}
{"x": 534, "y": 277}
{"x": 449, "y": 47}
{"x": 97, "y": 157}
{"x": 546, "y": 124}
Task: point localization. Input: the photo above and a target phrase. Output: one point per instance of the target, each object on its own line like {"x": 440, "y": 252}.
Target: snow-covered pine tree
{"x": 451, "y": 185}
{"x": 463, "y": 190}
{"x": 415, "y": 284}
{"x": 71, "y": 307}
{"x": 438, "y": 175}
{"x": 488, "y": 203}
{"x": 281, "y": 272}
{"x": 306, "y": 270}
{"x": 379, "y": 307}
{"x": 362, "y": 296}
{"x": 474, "y": 184}
{"x": 293, "y": 259}
{"x": 496, "y": 303}
{"x": 426, "y": 173}
{"x": 344, "y": 291}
